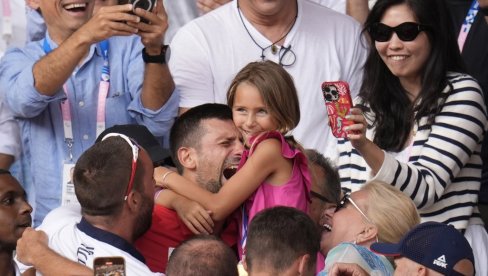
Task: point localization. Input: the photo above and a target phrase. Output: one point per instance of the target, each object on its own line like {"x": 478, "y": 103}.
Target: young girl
{"x": 273, "y": 171}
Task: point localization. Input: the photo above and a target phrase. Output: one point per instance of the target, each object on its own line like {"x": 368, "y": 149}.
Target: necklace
{"x": 274, "y": 48}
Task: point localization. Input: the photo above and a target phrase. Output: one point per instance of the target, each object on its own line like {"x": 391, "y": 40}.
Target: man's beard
{"x": 144, "y": 219}
{"x": 211, "y": 185}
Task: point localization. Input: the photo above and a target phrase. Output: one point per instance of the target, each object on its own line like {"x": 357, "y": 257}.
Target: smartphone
{"x": 338, "y": 103}
{"x": 114, "y": 266}
{"x": 147, "y": 5}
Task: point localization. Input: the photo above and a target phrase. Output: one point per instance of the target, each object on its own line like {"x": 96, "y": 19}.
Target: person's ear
{"x": 244, "y": 264}
{"x": 369, "y": 234}
{"x": 134, "y": 200}
{"x": 304, "y": 265}
{"x": 187, "y": 157}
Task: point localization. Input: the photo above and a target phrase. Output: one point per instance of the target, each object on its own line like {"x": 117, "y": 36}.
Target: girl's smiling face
{"x": 250, "y": 113}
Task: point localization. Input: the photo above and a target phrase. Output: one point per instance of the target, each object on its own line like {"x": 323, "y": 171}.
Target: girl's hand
{"x": 195, "y": 217}
{"x": 161, "y": 175}
{"x": 356, "y": 133}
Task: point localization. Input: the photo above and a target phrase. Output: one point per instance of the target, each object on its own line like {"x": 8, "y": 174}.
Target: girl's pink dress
{"x": 294, "y": 193}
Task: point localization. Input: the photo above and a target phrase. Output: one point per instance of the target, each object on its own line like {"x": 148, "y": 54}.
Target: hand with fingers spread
{"x": 205, "y": 6}
{"x": 107, "y": 22}
{"x": 357, "y": 131}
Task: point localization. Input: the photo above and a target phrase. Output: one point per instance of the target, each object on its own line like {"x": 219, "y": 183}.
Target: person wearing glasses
{"x": 115, "y": 187}
{"x": 312, "y": 42}
{"x": 377, "y": 212}
{"x": 419, "y": 120}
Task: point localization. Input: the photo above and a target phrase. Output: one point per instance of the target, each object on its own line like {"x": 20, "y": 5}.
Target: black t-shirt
{"x": 475, "y": 55}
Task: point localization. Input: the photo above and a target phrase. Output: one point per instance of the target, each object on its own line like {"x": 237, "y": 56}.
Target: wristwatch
{"x": 162, "y": 58}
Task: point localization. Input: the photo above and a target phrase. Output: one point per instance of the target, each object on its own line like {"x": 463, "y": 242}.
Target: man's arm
{"x": 51, "y": 71}
{"x": 32, "y": 249}
{"x": 158, "y": 84}
{"x": 358, "y": 9}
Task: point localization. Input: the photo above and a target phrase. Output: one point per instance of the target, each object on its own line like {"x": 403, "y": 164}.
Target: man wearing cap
{"x": 431, "y": 248}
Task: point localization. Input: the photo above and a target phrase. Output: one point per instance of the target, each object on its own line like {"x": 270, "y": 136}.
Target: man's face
{"x": 219, "y": 152}
{"x": 319, "y": 206}
{"x": 63, "y": 17}
{"x": 144, "y": 218}
{"x": 14, "y": 212}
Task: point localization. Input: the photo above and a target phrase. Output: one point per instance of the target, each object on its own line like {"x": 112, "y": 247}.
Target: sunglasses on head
{"x": 407, "y": 31}
{"x": 135, "y": 154}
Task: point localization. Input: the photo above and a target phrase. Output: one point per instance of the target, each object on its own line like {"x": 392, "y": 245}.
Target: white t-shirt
{"x": 74, "y": 238}
{"x": 210, "y": 50}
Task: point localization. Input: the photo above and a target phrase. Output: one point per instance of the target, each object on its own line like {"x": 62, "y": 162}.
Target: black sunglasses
{"x": 407, "y": 31}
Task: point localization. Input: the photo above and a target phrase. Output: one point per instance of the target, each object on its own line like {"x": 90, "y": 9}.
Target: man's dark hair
{"x": 278, "y": 236}
{"x": 102, "y": 174}
{"x": 331, "y": 187}
{"x": 187, "y": 129}
{"x": 203, "y": 255}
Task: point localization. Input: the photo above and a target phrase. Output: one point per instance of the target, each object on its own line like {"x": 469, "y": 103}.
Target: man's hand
{"x": 31, "y": 245}
{"x": 107, "y": 22}
{"x": 152, "y": 33}
{"x": 205, "y": 6}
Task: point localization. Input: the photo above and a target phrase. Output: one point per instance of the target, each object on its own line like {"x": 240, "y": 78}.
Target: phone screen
{"x": 109, "y": 266}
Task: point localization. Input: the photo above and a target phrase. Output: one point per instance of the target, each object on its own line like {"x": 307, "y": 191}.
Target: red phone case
{"x": 338, "y": 103}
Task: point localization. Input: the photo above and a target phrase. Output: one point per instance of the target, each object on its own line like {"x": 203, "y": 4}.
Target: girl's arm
{"x": 264, "y": 162}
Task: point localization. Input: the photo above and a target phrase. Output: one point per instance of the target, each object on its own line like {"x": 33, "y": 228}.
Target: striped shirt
{"x": 442, "y": 175}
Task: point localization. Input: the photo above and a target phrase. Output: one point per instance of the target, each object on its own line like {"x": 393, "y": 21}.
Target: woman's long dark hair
{"x": 381, "y": 90}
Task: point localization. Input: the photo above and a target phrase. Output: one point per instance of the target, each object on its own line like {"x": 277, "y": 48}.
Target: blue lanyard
{"x": 468, "y": 22}
{"x": 104, "y": 49}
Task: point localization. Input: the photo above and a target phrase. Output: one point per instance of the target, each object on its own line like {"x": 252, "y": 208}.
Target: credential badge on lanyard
{"x": 68, "y": 193}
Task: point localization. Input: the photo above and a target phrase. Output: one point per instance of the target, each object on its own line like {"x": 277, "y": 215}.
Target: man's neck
{"x": 273, "y": 24}
{"x": 115, "y": 226}
{"x": 6, "y": 263}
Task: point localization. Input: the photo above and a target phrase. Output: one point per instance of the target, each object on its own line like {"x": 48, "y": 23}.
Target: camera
{"x": 147, "y": 5}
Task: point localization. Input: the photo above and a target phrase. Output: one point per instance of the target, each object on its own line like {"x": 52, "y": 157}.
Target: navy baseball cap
{"x": 435, "y": 245}
{"x": 143, "y": 137}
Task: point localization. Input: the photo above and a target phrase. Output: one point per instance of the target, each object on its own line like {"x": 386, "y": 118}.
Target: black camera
{"x": 147, "y": 5}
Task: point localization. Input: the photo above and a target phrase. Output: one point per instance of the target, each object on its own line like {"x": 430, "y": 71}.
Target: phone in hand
{"x": 109, "y": 266}
{"x": 147, "y": 5}
{"x": 338, "y": 103}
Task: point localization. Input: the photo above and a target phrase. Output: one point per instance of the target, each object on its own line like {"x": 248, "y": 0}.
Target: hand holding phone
{"x": 109, "y": 266}
{"x": 338, "y": 103}
{"x": 147, "y": 5}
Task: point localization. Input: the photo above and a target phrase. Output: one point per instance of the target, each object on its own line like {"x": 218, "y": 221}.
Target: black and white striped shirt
{"x": 443, "y": 171}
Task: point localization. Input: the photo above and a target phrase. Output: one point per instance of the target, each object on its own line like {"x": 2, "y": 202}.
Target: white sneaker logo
{"x": 441, "y": 261}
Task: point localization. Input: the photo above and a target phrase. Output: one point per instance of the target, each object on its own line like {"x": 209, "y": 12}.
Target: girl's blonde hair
{"x": 277, "y": 90}
{"x": 391, "y": 211}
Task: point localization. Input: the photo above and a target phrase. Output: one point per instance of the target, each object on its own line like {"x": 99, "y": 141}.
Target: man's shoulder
{"x": 60, "y": 217}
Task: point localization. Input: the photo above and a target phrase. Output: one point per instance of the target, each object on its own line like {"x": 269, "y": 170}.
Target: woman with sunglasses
{"x": 377, "y": 212}
{"x": 420, "y": 120}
